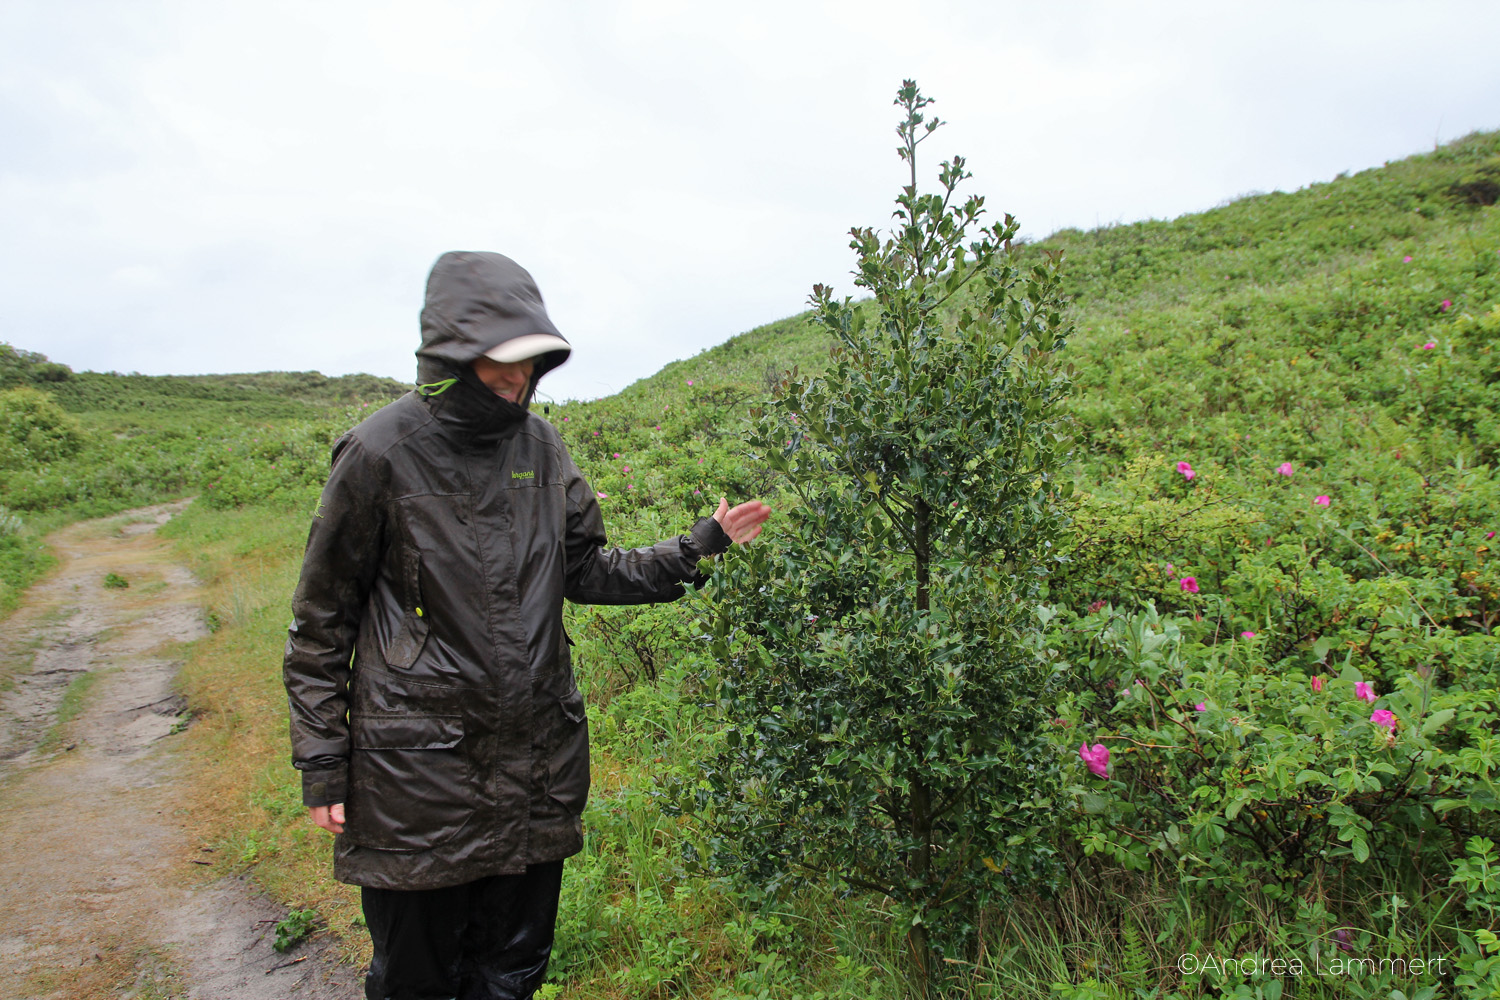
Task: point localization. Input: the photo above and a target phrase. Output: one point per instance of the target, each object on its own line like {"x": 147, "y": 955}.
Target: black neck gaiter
{"x": 473, "y": 411}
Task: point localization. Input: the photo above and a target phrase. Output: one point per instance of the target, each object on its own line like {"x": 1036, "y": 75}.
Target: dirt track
{"x": 100, "y": 895}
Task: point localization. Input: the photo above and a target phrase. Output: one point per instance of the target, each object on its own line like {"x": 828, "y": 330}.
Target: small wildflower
{"x": 690, "y": 381}
{"x": 602, "y": 496}
{"x": 1384, "y": 717}
{"x": 1284, "y": 469}
{"x": 1406, "y": 259}
{"x": 617, "y": 454}
{"x": 1186, "y": 470}
{"x": 1317, "y": 682}
{"x": 1447, "y": 304}
{"x": 1189, "y": 584}
{"x": 1322, "y": 500}
{"x": 625, "y": 469}
{"x": 1097, "y": 605}
{"x": 1247, "y": 634}
{"x": 1202, "y": 706}
{"x": 1363, "y": 690}
{"x": 1429, "y": 345}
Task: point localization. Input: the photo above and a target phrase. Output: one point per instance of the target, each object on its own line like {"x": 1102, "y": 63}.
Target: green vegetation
{"x": 23, "y": 558}
{"x": 294, "y": 928}
{"x": 1284, "y": 504}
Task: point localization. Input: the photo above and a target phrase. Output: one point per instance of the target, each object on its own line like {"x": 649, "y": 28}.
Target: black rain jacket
{"x": 427, "y": 669}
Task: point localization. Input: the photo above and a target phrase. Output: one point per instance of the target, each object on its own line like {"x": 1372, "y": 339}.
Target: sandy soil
{"x": 99, "y": 896}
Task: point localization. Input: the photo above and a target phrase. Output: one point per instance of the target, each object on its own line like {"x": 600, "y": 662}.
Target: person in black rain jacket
{"x": 434, "y": 715}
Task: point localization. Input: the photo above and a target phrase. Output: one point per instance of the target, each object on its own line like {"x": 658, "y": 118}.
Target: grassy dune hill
{"x": 1323, "y": 362}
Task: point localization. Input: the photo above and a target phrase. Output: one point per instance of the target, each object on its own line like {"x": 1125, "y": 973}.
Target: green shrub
{"x": 880, "y": 680}
{"x": 34, "y": 431}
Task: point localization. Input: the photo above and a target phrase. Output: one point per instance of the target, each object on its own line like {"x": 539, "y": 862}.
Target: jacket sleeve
{"x": 653, "y": 573}
{"x": 338, "y": 569}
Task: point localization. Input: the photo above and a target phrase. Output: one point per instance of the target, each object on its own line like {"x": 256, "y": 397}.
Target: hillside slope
{"x": 1309, "y": 308}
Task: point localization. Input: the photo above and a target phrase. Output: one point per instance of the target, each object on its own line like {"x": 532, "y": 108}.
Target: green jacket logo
{"x": 530, "y": 474}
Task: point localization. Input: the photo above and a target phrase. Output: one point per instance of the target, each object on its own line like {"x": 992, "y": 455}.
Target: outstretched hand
{"x": 743, "y": 521}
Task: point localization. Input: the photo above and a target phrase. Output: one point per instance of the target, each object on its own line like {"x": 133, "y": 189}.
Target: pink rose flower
{"x": 690, "y": 381}
{"x": 602, "y": 496}
{"x": 1317, "y": 682}
{"x": 1247, "y": 635}
{"x": 1384, "y": 717}
{"x": 1202, "y": 706}
{"x": 1406, "y": 259}
{"x": 1284, "y": 469}
{"x": 1186, "y": 470}
{"x": 1429, "y": 345}
{"x": 1447, "y": 304}
{"x": 1097, "y": 759}
{"x": 1362, "y": 689}
{"x": 1322, "y": 501}
{"x": 625, "y": 469}
{"x": 1190, "y": 584}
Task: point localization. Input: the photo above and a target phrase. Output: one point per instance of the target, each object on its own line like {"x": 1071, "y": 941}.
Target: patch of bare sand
{"x": 99, "y": 897}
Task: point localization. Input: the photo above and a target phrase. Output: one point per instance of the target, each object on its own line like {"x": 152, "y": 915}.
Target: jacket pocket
{"x": 568, "y": 770}
{"x": 410, "y": 788}
{"x": 407, "y": 644}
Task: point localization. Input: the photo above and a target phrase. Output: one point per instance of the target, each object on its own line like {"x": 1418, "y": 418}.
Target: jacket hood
{"x": 475, "y": 302}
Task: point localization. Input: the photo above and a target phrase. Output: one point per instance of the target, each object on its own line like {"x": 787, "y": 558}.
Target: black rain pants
{"x": 485, "y": 940}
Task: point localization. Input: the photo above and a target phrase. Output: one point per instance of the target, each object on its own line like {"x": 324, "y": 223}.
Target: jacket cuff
{"x": 709, "y": 537}
{"x": 324, "y": 788}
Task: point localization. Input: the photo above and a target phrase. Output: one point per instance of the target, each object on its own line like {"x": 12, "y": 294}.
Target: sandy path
{"x": 97, "y": 890}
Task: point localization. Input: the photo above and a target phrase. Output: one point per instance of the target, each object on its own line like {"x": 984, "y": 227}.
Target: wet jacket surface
{"x": 427, "y": 670}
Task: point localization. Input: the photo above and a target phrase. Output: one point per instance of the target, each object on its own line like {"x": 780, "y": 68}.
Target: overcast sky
{"x": 193, "y": 187}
